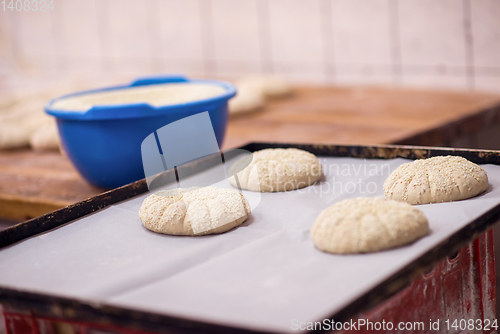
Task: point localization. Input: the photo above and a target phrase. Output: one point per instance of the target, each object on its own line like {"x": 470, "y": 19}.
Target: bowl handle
{"x": 158, "y": 80}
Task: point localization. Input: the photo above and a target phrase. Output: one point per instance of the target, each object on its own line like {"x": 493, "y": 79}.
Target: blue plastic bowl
{"x": 104, "y": 142}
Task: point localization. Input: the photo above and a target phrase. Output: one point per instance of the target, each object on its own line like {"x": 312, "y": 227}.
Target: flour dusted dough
{"x": 246, "y": 100}
{"x": 156, "y": 95}
{"x": 362, "y": 225}
{"x": 194, "y": 211}
{"x": 23, "y": 121}
{"x": 17, "y": 129}
{"x": 253, "y": 90}
{"x": 270, "y": 86}
{"x": 45, "y": 138}
{"x": 277, "y": 169}
{"x": 435, "y": 180}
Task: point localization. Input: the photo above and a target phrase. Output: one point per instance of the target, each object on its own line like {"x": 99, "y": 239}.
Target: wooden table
{"x": 335, "y": 115}
{"x": 33, "y": 183}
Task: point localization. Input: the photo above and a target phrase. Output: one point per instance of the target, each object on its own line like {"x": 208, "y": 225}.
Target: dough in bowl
{"x": 156, "y": 95}
{"x": 194, "y": 211}
{"x": 435, "y": 180}
{"x": 363, "y": 225}
{"x": 277, "y": 169}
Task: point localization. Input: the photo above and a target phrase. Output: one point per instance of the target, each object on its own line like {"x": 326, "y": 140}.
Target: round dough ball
{"x": 435, "y": 180}
{"x": 362, "y": 225}
{"x": 246, "y": 100}
{"x": 271, "y": 86}
{"x": 46, "y": 138}
{"x": 194, "y": 211}
{"x": 277, "y": 169}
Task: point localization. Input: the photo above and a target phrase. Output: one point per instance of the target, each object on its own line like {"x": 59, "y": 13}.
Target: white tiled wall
{"x": 451, "y": 44}
{"x": 232, "y": 54}
{"x": 297, "y": 40}
{"x": 361, "y": 35}
{"x": 79, "y": 47}
{"x": 180, "y": 50}
{"x": 433, "y": 44}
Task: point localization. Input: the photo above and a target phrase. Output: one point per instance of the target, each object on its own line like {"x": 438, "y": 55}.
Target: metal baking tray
{"x": 49, "y": 305}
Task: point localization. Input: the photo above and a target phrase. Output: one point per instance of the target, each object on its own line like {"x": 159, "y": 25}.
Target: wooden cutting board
{"x": 32, "y": 183}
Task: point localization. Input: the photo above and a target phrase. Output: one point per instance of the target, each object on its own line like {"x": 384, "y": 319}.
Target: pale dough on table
{"x": 435, "y": 180}
{"x": 270, "y": 86}
{"x": 246, "y": 100}
{"x": 273, "y": 170}
{"x": 23, "y": 121}
{"x": 45, "y": 138}
{"x": 362, "y": 225}
{"x": 194, "y": 211}
{"x": 16, "y": 130}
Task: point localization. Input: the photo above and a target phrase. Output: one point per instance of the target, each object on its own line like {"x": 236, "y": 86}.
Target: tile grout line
{"x": 101, "y": 30}
{"x": 154, "y": 30}
{"x": 265, "y": 36}
{"x": 493, "y": 70}
{"x": 207, "y": 35}
{"x": 328, "y": 45}
{"x": 397, "y": 73}
{"x": 14, "y": 49}
{"x": 62, "y": 62}
{"x": 469, "y": 44}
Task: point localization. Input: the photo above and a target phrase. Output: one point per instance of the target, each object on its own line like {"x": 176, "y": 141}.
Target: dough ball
{"x": 362, "y": 225}
{"x": 194, "y": 211}
{"x": 45, "y": 138}
{"x": 16, "y": 130}
{"x": 246, "y": 100}
{"x": 271, "y": 86}
{"x": 23, "y": 121}
{"x": 277, "y": 169}
{"x": 435, "y": 180}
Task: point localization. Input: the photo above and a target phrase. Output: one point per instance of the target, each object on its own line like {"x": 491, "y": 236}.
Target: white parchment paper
{"x": 262, "y": 275}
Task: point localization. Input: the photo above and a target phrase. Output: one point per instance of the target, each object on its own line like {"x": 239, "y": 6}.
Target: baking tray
{"x": 74, "y": 309}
